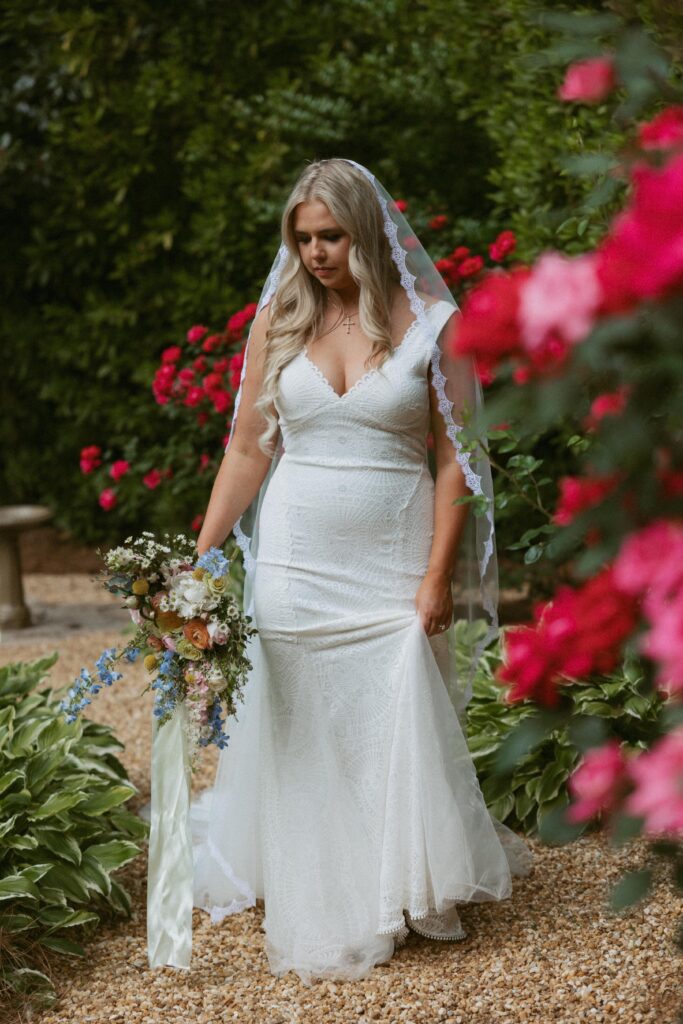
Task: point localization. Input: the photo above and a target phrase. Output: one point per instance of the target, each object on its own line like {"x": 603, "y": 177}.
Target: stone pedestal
{"x": 14, "y": 613}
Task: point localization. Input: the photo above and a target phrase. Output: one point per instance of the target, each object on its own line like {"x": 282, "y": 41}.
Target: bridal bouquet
{"x": 190, "y": 632}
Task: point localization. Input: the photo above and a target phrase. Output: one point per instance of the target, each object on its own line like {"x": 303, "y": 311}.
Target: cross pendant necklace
{"x": 348, "y": 323}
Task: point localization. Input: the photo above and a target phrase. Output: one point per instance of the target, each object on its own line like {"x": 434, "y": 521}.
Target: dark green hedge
{"x": 147, "y": 150}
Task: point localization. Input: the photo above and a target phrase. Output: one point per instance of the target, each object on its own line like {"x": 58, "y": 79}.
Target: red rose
{"x": 152, "y": 479}
{"x": 488, "y": 327}
{"x": 119, "y": 469}
{"x": 90, "y": 458}
{"x": 107, "y": 499}
{"x": 170, "y": 355}
{"x": 589, "y": 80}
{"x": 196, "y": 333}
{"x": 503, "y": 244}
{"x": 194, "y": 396}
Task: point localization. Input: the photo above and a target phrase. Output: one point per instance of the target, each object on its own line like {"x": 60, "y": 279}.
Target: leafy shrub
{"x": 63, "y": 831}
{"x": 129, "y": 217}
{"x": 523, "y": 769}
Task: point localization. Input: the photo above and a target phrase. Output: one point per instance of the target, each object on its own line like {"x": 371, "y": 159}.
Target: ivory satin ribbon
{"x": 170, "y": 869}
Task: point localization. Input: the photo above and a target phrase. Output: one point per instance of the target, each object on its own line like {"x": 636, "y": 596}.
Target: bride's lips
{"x": 323, "y": 270}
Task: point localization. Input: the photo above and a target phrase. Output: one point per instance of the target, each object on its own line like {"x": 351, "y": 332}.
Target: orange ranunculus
{"x": 155, "y": 643}
{"x": 196, "y": 632}
{"x": 166, "y": 621}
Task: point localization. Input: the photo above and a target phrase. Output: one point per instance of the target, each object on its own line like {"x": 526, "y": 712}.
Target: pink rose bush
{"x": 593, "y": 341}
{"x": 589, "y": 81}
{"x": 200, "y": 377}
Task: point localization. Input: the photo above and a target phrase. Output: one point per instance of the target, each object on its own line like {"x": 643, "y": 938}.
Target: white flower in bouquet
{"x": 218, "y": 631}
{"x": 214, "y": 679}
{"x": 189, "y": 596}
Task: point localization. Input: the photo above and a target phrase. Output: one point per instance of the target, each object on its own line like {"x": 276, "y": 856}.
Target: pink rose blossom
{"x": 597, "y": 782}
{"x": 471, "y": 266}
{"x": 608, "y": 404}
{"x": 168, "y": 642}
{"x": 561, "y": 297}
{"x": 194, "y": 396}
{"x": 152, "y": 479}
{"x": 119, "y": 469}
{"x": 589, "y": 80}
{"x": 172, "y": 354}
{"x": 211, "y": 343}
{"x": 642, "y": 255}
{"x": 664, "y": 131}
{"x": 650, "y": 566}
{"x": 90, "y": 458}
{"x": 664, "y": 641}
{"x": 107, "y": 499}
{"x": 658, "y": 777}
{"x": 502, "y": 245}
{"x": 652, "y": 557}
{"x": 196, "y": 333}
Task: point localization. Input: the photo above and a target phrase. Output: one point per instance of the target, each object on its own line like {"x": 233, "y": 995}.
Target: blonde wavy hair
{"x": 297, "y": 306}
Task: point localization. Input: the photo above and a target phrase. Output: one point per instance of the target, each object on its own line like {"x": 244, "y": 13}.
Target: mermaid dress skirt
{"x": 347, "y": 794}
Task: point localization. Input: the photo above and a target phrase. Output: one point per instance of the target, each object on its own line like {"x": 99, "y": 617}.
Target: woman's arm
{"x": 434, "y": 599}
{"x": 244, "y": 466}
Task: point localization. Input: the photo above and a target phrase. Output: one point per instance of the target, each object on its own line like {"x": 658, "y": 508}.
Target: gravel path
{"x": 553, "y": 953}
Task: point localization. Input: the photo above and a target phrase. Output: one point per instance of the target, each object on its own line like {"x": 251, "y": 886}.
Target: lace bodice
{"x": 385, "y": 414}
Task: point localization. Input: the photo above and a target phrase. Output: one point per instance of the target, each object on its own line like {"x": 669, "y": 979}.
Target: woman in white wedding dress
{"x": 346, "y": 798}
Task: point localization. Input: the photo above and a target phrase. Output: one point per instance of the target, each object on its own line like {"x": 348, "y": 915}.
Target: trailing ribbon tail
{"x": 169, "y": 875}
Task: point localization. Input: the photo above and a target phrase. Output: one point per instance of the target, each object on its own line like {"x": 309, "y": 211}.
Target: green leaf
{"x": 63, "y": 917}
{"x": 9, "y": 778}
{"x": 16, "y": 922}
{"x": 554, "y": 829}
{"x": 55, "y": 804}
{"x": 94, "y": 875}
{"x": 553, "y": 778}
{"x": 28, "y": 980}
{"x": 62, "y": 844}
{"x": 114, "y": 854}
{"x": 68, "y": 879}
{"x": 524, "y": 737}
{"x": 630, "y": 889}
{"x": 18, "y": 887}
{"x": 59, "y": 945}
{"x": 109, "y": 798}
{"x": 120, "y": 899}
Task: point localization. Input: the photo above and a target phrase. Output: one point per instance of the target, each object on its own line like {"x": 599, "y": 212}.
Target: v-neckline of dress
{"x": 367, "y": 374}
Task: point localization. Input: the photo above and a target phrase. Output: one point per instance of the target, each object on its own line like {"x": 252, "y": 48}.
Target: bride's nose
{"x": 318, "y": 251}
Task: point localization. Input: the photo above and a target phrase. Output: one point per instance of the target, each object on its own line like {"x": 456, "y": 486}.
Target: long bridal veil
{"x": 474, "y": 580}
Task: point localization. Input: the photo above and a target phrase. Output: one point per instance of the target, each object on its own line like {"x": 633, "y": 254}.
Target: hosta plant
{"x": 64, "y": 831}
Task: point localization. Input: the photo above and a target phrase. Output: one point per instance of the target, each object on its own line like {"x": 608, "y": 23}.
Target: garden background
{"x": 145, "y": 154}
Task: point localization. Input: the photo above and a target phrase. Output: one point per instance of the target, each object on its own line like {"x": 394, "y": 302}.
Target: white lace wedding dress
{"x": 347, "y": 794}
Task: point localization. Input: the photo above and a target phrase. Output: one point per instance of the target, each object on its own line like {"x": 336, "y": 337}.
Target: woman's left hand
{"x": 434, "y": 602}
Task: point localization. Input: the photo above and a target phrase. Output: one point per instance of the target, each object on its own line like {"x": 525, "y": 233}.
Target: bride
{"x": 346, "y": 799}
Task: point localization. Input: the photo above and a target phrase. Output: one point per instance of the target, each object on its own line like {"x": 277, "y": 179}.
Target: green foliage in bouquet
{"x": 524, "y": 757}
{"x": 64, "y": 831}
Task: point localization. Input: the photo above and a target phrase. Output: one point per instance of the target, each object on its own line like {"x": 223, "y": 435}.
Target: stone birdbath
{"x": 14, "y": 613}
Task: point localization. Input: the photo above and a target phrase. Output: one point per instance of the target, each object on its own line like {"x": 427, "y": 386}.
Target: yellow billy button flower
{"x": 150, "y": 662}
{"x": 198, "y": 573}
{"x": 140, "y": 587}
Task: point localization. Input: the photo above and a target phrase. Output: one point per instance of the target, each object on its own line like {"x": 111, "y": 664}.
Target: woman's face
{"x": 322, "y": 244}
